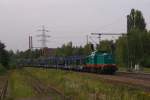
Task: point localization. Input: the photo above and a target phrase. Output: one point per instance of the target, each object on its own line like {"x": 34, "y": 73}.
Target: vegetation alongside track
{"x": 2, "y": 70}
{"x": 85, "y": 87}
{"x": 41, "y": 89}
{"x": 24, "y": 86}
{"x": 3, "y": 86}
{"x": 58, "y": 84}
{"x": 145, "y": 70}
{"x": 18, "y": 87}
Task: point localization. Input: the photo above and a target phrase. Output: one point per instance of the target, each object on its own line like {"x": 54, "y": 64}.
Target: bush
{"x": 4, "y": 58}
{"x": 146, "y": 62}
{"x": 2, "y": 69}
{"x": 12, "y": 66}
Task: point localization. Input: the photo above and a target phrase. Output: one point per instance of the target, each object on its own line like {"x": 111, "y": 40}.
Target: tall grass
{"x": 147, "y": 70}
{"x": 18, "y": 87}
{"x": 86, "y": 87}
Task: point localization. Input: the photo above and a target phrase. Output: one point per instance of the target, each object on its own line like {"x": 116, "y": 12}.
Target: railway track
{"x": 137, "y": 80}
{"x": 141, "y": 80}
{"x": 3, "y": 91}
{"x": 134, "y": 75}
{"x": 142, "y": 76}
{"x": 40, "y": 87}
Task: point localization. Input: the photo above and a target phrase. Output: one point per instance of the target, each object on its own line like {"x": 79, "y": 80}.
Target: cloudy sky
{"x": 68, "y": 20}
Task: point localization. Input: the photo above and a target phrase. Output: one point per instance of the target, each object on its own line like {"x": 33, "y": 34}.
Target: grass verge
{"x": 18, "y": 87}
{"x": 147, "y": 70}
{"x": 85, "y": 87}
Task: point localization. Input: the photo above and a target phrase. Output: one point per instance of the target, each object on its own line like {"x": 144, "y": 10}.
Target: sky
{"x": 67, "y": 20}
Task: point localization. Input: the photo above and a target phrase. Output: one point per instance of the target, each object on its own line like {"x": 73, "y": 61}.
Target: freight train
{"x": 96, "y": 62}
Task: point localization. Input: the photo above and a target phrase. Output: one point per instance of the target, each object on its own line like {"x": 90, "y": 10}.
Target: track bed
{"x": 42, "y": 90}
{"x": 132, "y": 79}
{"x": 77, "y": 85}
{"x": 24, "y": 86}
{"x": 3, "y": 86}
{"x": 137, "y": 75}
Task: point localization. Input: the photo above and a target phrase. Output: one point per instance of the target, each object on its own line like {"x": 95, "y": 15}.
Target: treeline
{"x": 65, "y": 50}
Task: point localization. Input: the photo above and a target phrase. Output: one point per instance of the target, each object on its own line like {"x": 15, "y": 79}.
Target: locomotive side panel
{"x": 101, "y": 63}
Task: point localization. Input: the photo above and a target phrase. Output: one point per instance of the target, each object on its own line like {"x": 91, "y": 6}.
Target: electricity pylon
{"x": 43, "y": 36}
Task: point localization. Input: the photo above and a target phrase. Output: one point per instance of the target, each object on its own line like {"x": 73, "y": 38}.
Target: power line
{"x": 100, "y": 34}
{"x": 92, "y": 39}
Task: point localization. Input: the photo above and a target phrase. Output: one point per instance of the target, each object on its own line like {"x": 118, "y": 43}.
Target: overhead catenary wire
{"x": 92, "y": 40}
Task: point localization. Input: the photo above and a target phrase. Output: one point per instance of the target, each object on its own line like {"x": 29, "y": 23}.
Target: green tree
{"x": 145, "y": 60}
{"x": 122, "y": 51}
{"x": 135, "y": 20}
{"x": 139, "y": 46}
{"x": 78, "y": 51}
{"x": 65, "y": 50}
{"x": 88, "y": 49}
{"x": 69, "y": 49}
{"x": 136, "y": 28}
{"x": 106, "y": 46}
{"x": 4, "y": 56}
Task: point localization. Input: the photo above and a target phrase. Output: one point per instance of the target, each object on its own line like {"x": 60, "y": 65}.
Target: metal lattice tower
{"x": 43, "y": 36}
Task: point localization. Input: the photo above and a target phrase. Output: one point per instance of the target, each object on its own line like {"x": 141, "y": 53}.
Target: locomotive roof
{"x": 99, "y": 53}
